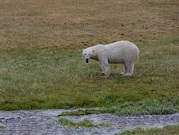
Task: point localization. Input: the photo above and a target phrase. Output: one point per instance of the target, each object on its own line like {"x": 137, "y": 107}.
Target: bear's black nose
{"x": 87, "y": 60}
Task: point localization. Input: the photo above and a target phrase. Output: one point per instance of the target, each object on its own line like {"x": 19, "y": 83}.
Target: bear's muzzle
{"x": 87, "y": 60}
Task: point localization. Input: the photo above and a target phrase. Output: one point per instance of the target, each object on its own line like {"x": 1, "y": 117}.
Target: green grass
{"x": 1, "y": 127}
{"x": 168, "y": 130}
{"x": 41, "y": 64}
{"x": 60, "y": 78}
{"x": 147, "y": 106}
{"x": 83, "y": 123}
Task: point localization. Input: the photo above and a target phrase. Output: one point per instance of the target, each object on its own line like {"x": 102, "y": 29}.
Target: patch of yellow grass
{"x": 64, "y": 24}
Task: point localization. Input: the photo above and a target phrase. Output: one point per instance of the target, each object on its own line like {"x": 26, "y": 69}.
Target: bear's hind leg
{"x": 122, "y": 73}
{"x": 128, "y": 69}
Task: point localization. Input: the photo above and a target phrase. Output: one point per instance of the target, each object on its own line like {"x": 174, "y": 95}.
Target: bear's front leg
{"x": 107, "y": 71}
{"x": 105, "y": 68}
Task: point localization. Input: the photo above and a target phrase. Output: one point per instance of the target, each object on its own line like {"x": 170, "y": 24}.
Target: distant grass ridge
{"x": 83, "y": 112}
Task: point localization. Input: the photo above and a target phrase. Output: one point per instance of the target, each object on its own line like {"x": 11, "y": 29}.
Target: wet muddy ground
{"x": 43, "y": 122}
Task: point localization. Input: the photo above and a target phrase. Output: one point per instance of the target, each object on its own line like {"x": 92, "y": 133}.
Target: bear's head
{"x": 89, "y": 53}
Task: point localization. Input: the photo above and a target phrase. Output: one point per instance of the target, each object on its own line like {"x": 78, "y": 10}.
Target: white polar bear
{"x": 123, "y": 52}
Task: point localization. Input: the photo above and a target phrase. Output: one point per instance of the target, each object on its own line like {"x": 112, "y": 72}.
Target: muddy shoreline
{"x": 43, "y": 122}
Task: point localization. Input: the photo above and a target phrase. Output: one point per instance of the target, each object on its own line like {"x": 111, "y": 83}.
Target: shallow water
{"x": 43, "y": 122}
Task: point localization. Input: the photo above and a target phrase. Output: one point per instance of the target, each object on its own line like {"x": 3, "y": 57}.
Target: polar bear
{"x": 123, "y": 52}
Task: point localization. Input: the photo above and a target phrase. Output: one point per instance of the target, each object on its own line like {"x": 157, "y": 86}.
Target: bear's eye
{"x": 85, "y": 53}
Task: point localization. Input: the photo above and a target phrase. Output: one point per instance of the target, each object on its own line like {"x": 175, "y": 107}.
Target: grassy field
{"x": 41, "y": 63}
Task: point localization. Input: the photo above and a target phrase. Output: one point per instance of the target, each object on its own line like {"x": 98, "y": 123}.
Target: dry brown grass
{"x": 77, "y": 23}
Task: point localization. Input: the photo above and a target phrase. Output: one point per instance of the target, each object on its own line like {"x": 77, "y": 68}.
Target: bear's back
{"x": 121, "y": 46}
{"x": 118, "y": 51}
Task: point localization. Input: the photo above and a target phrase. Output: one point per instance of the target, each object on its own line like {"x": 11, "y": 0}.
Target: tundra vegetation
{"x": 41, "y": 65}
{"x": 84, "y": 123}
{"x": 168, "y": 130}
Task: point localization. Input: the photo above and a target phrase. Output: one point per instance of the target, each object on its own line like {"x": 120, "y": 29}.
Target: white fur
{"x": 123, "y": 52}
